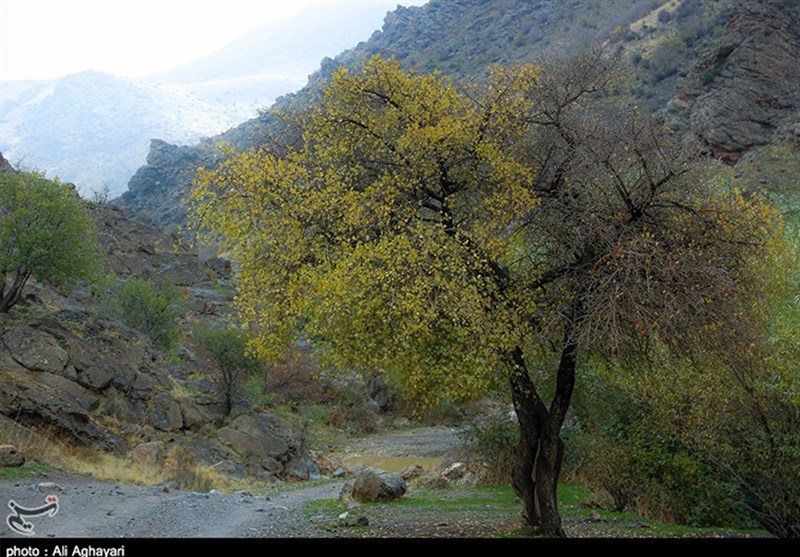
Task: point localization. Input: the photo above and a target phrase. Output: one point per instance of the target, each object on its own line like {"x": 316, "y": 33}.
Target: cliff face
{"x": 5, "y": 166}
{"x": 156, "y": 192}
{"x": 745, "y": 92}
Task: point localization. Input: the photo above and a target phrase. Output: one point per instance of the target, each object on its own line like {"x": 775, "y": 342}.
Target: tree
{"x": 149, "y": 310}
{"x": 458, "y": 239}
{"x": 228, "y": 350}
{"x": 45, "y": 232}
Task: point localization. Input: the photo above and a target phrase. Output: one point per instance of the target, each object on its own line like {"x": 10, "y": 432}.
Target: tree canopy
{"x": 454, "y": 237}
{"x": 46, "y": 232}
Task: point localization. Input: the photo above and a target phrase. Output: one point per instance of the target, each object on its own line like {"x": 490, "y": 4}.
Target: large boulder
{"x": 10, "y": 457}
{"x": 384, "y": 394}
{"x": 34, "y": 404}
{"x": 147, "y": 455}
{"x": 376, "y": 485}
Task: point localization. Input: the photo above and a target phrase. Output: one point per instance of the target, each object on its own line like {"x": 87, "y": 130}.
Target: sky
{"x": 44, "y": 39}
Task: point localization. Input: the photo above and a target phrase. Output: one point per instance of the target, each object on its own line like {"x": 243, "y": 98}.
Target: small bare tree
{"x": 227, "y": 351}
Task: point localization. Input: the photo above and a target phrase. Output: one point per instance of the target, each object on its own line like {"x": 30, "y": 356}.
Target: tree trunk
{"x": 15, "y": 291}
{"x": 540, "y": 450}
{"x": 531, "y": 414}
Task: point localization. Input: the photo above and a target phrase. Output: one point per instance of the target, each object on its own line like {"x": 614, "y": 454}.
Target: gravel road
{"x": 91, "y": 508}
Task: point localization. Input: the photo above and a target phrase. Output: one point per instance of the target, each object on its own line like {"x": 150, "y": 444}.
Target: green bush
{"x": 227, "y": 350}
{"x": 46, "y": 232}
{"x": 492, "y": 442}
{"x": 661, "y": 479}
{"x": 641, "y": 465}
{"x": 150, "y": 310}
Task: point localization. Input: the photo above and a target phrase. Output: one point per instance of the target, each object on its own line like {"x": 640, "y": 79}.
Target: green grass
{"x": 26, "y": 471}
{"x": 499, "y": 506}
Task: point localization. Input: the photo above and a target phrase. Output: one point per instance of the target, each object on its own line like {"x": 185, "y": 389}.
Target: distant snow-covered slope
{"x": 94, "y": 129}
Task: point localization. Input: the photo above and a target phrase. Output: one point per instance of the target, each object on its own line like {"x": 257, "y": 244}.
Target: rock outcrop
{"x": 156, "y": 191}
{"x": 70, "y": 368}
{"x": 10, "y": 457}
{"x": 5, "y": 166}
{"x": 745, "y": 91}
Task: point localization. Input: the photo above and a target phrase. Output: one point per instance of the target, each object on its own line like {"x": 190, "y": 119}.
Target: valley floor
{"x": 91, "y": 508}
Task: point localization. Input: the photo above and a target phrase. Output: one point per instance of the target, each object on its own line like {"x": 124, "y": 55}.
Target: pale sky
{"x": 43, "y": 39}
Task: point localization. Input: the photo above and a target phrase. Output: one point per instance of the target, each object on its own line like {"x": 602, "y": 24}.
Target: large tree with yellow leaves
{"x": 458, "y": 238}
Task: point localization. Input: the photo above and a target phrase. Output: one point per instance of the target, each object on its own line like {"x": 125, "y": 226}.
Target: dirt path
{"x": 90, "y": 508}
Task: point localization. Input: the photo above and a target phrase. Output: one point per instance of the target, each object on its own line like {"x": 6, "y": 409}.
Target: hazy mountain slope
{"x": 460, "y": 37}
{"x": 251, "y": 72}
{"x": 681, "y": 59}
{"x": 94, "y": 128}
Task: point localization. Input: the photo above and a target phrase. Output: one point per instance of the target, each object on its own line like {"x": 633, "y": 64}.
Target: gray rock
{"x": 219, "y": 267}
{"x": 95, "y": 377}
{"x": 412, "y": 472}
{"x": 303, "y": 468}
{"x": 10, "y": 457}
{"x": 377, "y": 485}
{"x": 147, "y": 455}
{"x": 382, "y": 393}
{"x": 48, "y": 486}
{"x": 166, "y": 414}
{"x": 200, "y": 412}
{"x": 262, "y": 435}
{"x": 271, "y": 465}
{"x": 434, "y": 482}
{"x": 85, "y": 398}
{"x": 143, "y": 385}
{"x": 401, "y": 421}
{"x": 455, "y": 471}
{"x": 37, "y": 404}
{"x": 346, "y": 493}
{"x": 339, "y": 473}
{"x": 265, "y": 476}
{"x": 5, "y": 166}
{"x": 232, "y": 469}
{"x": 36, "y": 350}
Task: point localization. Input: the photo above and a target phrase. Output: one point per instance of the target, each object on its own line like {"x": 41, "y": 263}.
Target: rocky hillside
{"x": 744, "y": 91}
{"x": 721, "y": 73}
{"x": 72, "y": 370}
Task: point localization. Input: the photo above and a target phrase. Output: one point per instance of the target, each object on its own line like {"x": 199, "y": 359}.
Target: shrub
{"x": 46, "y": 232}
{"x": 352, "y": 413}
{"x": 662, "y": 479}
{"x": 181, "y": 466}
{"x": 492, "y": 443}
{"x": 640, "y": 463}
{"x": 149, "y": 310}
{"x": 227, "y": 350}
